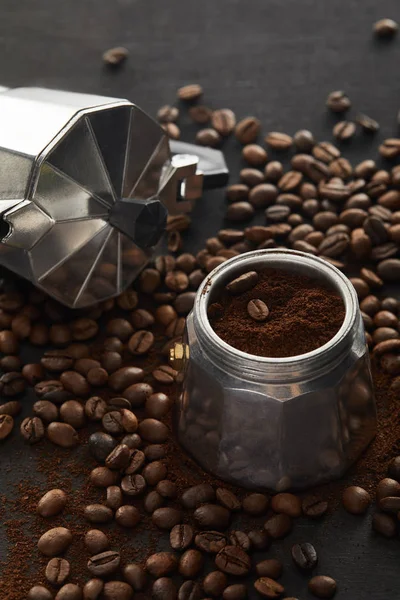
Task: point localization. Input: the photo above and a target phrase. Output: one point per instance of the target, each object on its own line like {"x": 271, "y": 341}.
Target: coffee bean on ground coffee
{"x": 303, "y": 314}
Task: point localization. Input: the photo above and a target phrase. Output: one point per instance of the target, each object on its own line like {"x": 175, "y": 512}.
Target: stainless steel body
{"x": 275, "y": 423}
{"x": 86, "y": 183}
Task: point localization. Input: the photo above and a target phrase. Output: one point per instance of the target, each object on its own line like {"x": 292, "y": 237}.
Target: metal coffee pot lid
{"x": 86, "y": 183}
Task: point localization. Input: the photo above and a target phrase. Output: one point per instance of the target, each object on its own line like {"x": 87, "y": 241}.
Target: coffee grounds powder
{"x": 304, "y": 315}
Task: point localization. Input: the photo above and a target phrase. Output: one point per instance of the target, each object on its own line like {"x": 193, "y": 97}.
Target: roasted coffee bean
{"x": 161, "y": 563}
{"x": 210, "y": 541}
{"x": 38, "y": 592}
{"x": 304, "y": 556}
{"x": 322, "y": 586}
{"x": 334, "y": 245}
{"x": 172, "y": 130}
{"x": 166, "y": 518}
{"x": 62, "y": 434}
{"x": 385, "y": 28}
{"x": 259, "y": 539}
{"x": 384, "y": 524}
{"x": 100, "y": 445}
{"x": 95, "y": 408}
{"x": 69, "y": 591}
{"x": 367, "y": 124}
{"x": 269, "y": 568}
{"x": 190, "y": 563}
{"x": 390, "y": 148}
{"x": 344, "y": 130}
{"x": 158, "y": 405}
{"x": 394, "y": 468}
{"x": 55, "y": 541}
{"x": 247, "y": 130}
{"x": 240, "y": 211}
{"x": 141, "y": 342}
{"x": 153, "y": 431}
{"x": 154, "y": 452}
{"x": 325, "y": 152}
{"x": 163, "y": 589}
{"x": 115, "y": 56}
{"x": 32, "y": 429}
{"x": 304, "y": 140}
{"x": 12, "y": 384}
{"x": 117, "y": 590}
{"x": 174, "y": 243}
{"x": 72, "y": 412}
{"x": 154, "y": 472}
{"x": 390, "y": 504}
{"x": 287, "y": 504}
{"x": 13, "y": 363}
{"x": 214, "y": 583}
{"x": 190, "y": 92}
{"x": 167, "y": 114}
{"x": 98, "y": 513}
{"x": 33, "y": 373}
{"x": 338, "y": 101}
{"x": 6, "y": 426}
{"x": 254, "y": 154}
{"x": 268, "y": 588}
{"x": 8, "y": 342}
{"x": 52, "y": 503}
{"x": 255, "y": 504}
{"x": 258, "y": 310}
{"x": 153, "y": 501}
{"x": 181, "y": 536}
{"x": 190, "y": 590}
{"x": 389, "y": 269}
{"x": 96, "y": 541}
{"x": 138, "y": 393}
{"x": 133, "y": 485}
{"x": 251, "y": 177}
{"x": 208, "y": 137}
{"x": 128, "y": 300}
{"x": 243, "y": 283}
{"x": 237, "y": 591}
{"x": 196, "y": 495}
{"x": 118, "y": 458}
{"x": 57, "y": 571}
{"x": 124, "y": 377}
{"x": 135, "y": 576}
{"x": 92, "y": 589}
{"x": 60, "y": 335}
{"x": 136, "y": 462}
{"x": 228, "y": 499}
{"x": 278, "y": 526}
{"x": 277, "y": 213}
{"x": 97, "y": 376}
{"x": 75, "y": 383}
{"x": 53, "y": 391}
{"x": 167, "y": 488}
{"x": 12, "y": 408}
{"x": 240, "y": 538}
{"x": 212, "y": 516}
{"x": 224, "y": 121}
{"x": 387, "y": 487}
{"x": 278, "y": 141}
{"x": 200, "y": 114}
{"x": 104, "y": 564}
{"x": 263, "y": 195}
{"x": 233, "y": 560}
{"x": 39, "y": 335}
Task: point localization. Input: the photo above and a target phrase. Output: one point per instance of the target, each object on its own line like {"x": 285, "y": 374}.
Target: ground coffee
{"x": 303, "y": 315}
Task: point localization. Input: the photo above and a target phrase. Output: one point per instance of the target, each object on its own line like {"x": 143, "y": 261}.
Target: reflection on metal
{"x": 85, "y": 186}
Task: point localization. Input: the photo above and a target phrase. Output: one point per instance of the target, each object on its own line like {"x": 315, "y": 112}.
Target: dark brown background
{"x": 276, "y": 59}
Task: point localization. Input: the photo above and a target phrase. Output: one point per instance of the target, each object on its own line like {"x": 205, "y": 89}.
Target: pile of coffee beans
{"x": 102, "y": 378}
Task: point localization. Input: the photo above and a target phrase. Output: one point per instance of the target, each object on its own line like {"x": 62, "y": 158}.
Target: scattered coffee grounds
{"x": 303, "y": 315}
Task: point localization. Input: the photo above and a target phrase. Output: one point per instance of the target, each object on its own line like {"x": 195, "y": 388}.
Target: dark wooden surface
{"x": 276, "y": 59}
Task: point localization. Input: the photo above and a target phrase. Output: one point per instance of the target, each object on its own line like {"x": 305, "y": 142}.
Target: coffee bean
{"x": 269, "y": 568}
{"x": 255, "y": 504}
{"x": 210, "y": 541}
{"x": 200, "y": 114}
{"x": 384, "y": 524}
{"x": 135, "y": 576}
{"x": 161, "y": 563}
{"x": 181, "y": 536}
{"x": 237, "y": 192}
{"x": 394, "y": 468}
{"x": 190, "y": 563}
{"x": 72, "y": 412}
{"x": 190, "y": 590}
{"x": 240, "y": 211}
{"x": 259, "y": 539}
{"x": 118, "y": 458}
{"x": 190, "y": 92}
{"x": 389, "y": 269}
{"x": 268, "y": 588}
{"x": 166, "y": 518}
{"x": 13, "y": 363}
{"x": 273, "y": 171}
{"x": 53, "y": 391}
{"x": 356, "y": 500}
{"x": 334, "y": 245}
{"x": 98, "y": 513}
{"x": 390, "y": 148}
{"x": 12, "y": 384}
{"x": 240, "y": 538}
{"x": 208, "y": 137}
{"x": 233, "y": 561}
{"x": 387, "y": 487}
{"x": 57, "y": 571}
{"x": 158, "y": 405}
{"x": 304, "y": 556}
{"x": 104, "y": 564}
{"x": 228, "y": 499}
{"x": 258, "y": 310}
{"x": 133, "y": 485}
{"x": 136, "y": 462}
{"x": 167, "y": 114}
{"x": 338, "y": 101}
{"x": 243, "y": 283}
{"x": 153, "y": 501}
{"x": 117, "y": 590}
{"x": 124, "y": 377}
{"x": 75, "y": 383}
{"x": 344, "y": 130}
{"x": 154, "y": 452}
{"x": 52, "y": 503}
{"x": 322, "y": 586}
{"x": 385, "y": 28}
{"x": 114, "y": 497}
{"x": 141, "y": 342}
{"x": 163, "y": 589}
{"x": 153, "y": 431}
{"x": 254, "y": 154}
{"x": 38, "y": 592}
{"x": 95, "y": 408}
{"x": 247, "y": 130}
{"x": 167, "y": 488}
{"x": 8, "y": 342}
{"x": 172, "y": 130}
{"x": 367, "y": 124}
{"x": 390, "y": 504}
{"x": 223, "y": 121}
{"x": 278, "y": 526}
{"x": 286, "y": 504}
{"x": 6, "y": 426}
{"x": 278, "y": 141}
{"x": 237, "y": 591}
{"x": 138, "y": 393}
{"x": 32, "y": 429}
{"x": 304, "y": 140}
{"x": 55, "y": 541}
{"x": 251, "y": 177}
{"x": 154, "y": 472}
{"x": 62, "y": 434}
{"x": 69, "y": 591}
{"x": 214, "y": 583}
{"x": 96, "y": 541}
{"x": 12, "y": 408}
{"x": 115, "y": 56}
{"x": 92, "y": 589}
